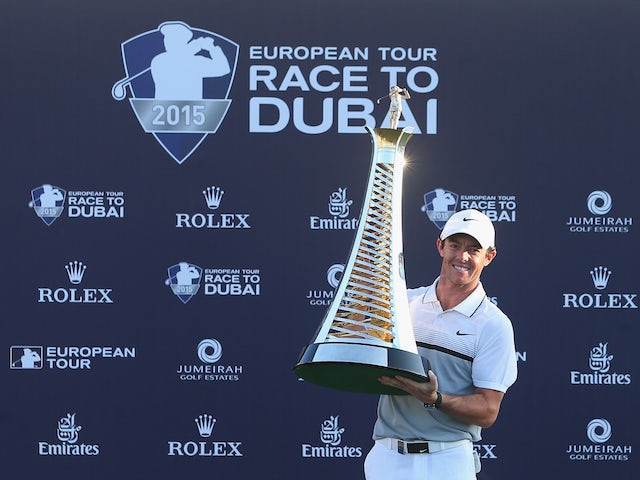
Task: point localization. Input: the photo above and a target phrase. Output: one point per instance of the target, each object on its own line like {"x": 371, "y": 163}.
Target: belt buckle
{"x": 419, "y": 447}
{"x": 401, "y": 447}
{"x": 422, "y": 447}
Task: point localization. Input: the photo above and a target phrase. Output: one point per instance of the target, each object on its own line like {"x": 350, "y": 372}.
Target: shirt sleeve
{"x": 495, "y": 364}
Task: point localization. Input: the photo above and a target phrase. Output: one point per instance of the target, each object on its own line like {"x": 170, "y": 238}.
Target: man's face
{"x": 462, "y": 260}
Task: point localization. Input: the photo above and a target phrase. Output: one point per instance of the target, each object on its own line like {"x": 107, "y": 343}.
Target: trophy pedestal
{"x": 356, "y": 367}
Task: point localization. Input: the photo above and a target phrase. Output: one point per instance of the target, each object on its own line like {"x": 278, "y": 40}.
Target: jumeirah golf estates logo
{"x": 600, "y": 449}
{"x": 179, "y": 78}
{"x": 324, "y": 297}
{"x": 600, "y": 204}
{"x": 209, "y": 352}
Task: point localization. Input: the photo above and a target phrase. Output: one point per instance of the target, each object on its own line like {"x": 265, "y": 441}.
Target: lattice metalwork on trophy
{"x": 366, "y": 309}
{"x": 367, "y": 331}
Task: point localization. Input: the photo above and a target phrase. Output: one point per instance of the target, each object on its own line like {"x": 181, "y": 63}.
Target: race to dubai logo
{"x": 179, "y": 78}
{"x": 184, "y": 280}
{"x": 439, "y": 205}
{"x": 336, "y": 84}
{"x": 48, "y": 202}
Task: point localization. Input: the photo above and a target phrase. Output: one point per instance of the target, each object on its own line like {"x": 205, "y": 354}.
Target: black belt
{"x": 403, "y": 447}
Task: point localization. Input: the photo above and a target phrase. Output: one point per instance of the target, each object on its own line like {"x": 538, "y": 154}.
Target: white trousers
{"x": 383, "y": 463}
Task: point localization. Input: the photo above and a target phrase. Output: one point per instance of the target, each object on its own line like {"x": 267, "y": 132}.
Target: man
{"x": 428, "y": 433}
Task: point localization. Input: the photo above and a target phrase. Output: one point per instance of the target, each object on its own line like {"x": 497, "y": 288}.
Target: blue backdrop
{"x": 167, "y": 259}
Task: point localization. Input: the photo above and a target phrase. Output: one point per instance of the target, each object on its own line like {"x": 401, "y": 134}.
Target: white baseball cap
{"x": 472, "y": 222}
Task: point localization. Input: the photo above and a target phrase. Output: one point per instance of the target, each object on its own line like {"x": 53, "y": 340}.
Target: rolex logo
{"x": 205, "y": 425}
{"x": 614, "y": 300}
{"x": 75, "y": 270}
{"x": 213, "y": 195}
{"x": 203, "y": 448}
{"x": 600, "y": 276}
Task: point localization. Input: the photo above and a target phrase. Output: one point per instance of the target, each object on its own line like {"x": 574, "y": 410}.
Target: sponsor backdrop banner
{"x": 183, "y": 182}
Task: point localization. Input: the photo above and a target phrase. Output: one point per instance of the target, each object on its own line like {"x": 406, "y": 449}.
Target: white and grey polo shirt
{"x": 470, "y": 345}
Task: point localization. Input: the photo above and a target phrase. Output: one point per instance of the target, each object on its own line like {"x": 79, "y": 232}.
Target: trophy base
{"x": 356, "y": 367}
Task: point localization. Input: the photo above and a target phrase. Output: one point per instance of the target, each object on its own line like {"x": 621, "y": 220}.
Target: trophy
{"x": 367, "y": 332}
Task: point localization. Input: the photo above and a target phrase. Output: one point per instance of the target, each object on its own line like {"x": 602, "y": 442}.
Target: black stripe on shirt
{"x": 445, "y": 350}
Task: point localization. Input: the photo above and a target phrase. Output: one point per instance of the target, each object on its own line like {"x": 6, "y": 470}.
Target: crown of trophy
{"x": 367, "y": 332}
